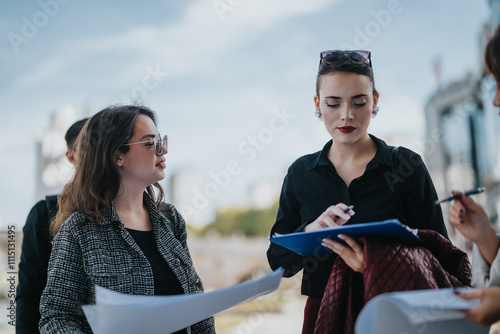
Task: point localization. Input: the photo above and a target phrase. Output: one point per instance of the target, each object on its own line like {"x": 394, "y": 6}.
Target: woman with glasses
{"x": 353, "y": 168}
{"x": 112, "y": 228}
{"x": 471, "y": 220}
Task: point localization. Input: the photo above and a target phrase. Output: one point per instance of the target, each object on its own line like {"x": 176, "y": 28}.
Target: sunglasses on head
{"x": 355, "y": 56}
{"x": 159, "y": 142}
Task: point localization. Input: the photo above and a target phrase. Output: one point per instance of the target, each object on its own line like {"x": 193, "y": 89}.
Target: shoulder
{"x": 171, "y": 213}
{"x": 305, "y": 162}
{"x": 74, "y": 223}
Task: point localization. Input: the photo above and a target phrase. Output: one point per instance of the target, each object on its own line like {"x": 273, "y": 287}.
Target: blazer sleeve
{"x": 419, "y": 195}
{"x": 35, "y": 253}
{"x": 67, "y": 287}
{"x": 287, "y": 221}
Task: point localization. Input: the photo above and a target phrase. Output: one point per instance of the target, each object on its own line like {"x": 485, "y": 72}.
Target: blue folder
{"x": 309, "y": 243}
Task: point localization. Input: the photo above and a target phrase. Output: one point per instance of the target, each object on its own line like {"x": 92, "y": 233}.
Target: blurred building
{"x": 53, "y": 170}
{"x": 462, "y": 146}
{"x": 188, "y": 192}
{"x": 264, "y": 193}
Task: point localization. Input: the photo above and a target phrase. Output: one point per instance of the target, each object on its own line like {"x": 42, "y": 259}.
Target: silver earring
{"x": 318, "y": 115}
{"x": 375, "y": 112}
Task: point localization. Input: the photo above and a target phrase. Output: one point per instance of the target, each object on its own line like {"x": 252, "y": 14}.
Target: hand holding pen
{"x": 335, "y": 215}
{"x": 458, "y": 195}
{"x": 471, "y": 220}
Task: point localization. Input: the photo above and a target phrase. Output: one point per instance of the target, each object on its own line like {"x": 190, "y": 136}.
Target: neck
{"x": 129, "y": 199}
{"x": 344, "y": 153}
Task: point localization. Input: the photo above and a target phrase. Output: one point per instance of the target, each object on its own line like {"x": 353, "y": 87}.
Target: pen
{"x": 350, "y": 207}
{"x": 467, "y": 193}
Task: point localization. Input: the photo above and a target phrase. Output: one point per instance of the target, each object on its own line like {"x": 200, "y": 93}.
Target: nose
{"x": 496, "y": 99}
{"x": 345, "y": 113}
{"x": 164, "y": 150}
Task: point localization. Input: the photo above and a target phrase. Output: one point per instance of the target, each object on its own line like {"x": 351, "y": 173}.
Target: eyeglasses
{"x": 355, "y": 56}
{"x": 158, "y": 141}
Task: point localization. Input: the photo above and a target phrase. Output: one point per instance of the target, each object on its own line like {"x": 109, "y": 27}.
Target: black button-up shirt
{"x": 395, "y": 184}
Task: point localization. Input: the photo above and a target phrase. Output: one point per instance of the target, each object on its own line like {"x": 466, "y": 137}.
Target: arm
{"x": 419, "y": 195}
{"x": 288, "y": 220}
{"x": 35, "y": 254}
{"x": 472, "y": 222}
{"x": 67, "y": 287}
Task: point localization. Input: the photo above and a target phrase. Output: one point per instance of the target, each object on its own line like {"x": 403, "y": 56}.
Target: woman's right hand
{"x": 472, "y": 221}
{"x": 333, "y": 216}
{"x": 469, "y": 218}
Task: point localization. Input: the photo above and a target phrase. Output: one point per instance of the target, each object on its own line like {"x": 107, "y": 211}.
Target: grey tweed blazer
{"x": 104, "y": 253}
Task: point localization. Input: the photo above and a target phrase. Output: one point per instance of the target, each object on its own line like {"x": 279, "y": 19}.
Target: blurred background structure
{"x": 462, "y": 142}
{"x": 232, "y": 83}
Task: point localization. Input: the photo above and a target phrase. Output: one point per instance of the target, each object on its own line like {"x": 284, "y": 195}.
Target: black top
{"x": 395, "y": 184}
{"x": 165, "y": 282}
{"x": 35, "y": 253}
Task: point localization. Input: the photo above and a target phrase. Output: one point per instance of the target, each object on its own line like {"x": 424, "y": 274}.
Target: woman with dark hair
{"x": 353, "y": 168}
{"x": 112, "y": 228}
{"x": 471, "y": 220}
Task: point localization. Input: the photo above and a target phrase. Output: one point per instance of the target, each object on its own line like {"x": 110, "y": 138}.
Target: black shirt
{"x": 395, "y": 184}
{"x": 165, "y": 282}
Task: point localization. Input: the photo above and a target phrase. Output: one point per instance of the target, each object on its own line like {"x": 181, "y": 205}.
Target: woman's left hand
{"x": 352, "y": 253}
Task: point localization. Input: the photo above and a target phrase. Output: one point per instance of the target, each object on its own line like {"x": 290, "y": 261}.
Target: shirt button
{"x": 177, "y": 262}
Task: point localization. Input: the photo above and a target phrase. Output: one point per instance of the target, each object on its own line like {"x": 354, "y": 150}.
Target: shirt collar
{"x": 383, "y": 155}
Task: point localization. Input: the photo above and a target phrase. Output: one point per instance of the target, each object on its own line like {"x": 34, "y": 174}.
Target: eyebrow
{"x": 339, "y": 98}
{"x": 148, "y": 136}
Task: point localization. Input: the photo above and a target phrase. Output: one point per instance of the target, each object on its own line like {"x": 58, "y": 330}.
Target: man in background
{"x": 35, "y": 251}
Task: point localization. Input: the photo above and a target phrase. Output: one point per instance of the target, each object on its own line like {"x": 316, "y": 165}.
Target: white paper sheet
{"x": 121, "y": 313}
{"x": 422, "y": 311}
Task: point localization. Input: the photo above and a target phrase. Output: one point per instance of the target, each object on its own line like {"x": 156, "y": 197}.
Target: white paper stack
{"x": 423, "y": 311}
{"x": 121, "y": 313}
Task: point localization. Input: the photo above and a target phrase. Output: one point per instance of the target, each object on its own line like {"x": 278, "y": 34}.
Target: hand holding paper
{"x": 116, "y": 312}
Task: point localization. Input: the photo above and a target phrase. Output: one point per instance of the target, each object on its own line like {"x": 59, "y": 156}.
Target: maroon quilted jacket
{"x": 389, "y": 266}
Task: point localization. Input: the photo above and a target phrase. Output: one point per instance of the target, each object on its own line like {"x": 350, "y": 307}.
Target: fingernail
{"x": 347, "y": 216}
{"x": 341, "y": 236}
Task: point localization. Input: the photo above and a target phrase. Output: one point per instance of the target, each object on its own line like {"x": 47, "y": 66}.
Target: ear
{"x": 316, "y": 103}
{"x": 70, "y": 156}
{"x": 375, "y": 99}
{"x": 119, "y": 161}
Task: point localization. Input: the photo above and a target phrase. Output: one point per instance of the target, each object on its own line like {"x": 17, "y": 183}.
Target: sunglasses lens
{"x": 358, "y": 58}
{"x": 355, "y": 56}
{"x": 332, "y": 56}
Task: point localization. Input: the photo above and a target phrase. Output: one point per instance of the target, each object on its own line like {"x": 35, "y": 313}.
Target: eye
{"x": 361, "y": 104}
{"x": 335, "y": 105}
{"x": 149, "y": 143}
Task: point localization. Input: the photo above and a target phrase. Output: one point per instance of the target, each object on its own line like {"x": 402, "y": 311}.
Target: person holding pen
{"x": 470, "y": 219}
{"x": 353, "y": 168}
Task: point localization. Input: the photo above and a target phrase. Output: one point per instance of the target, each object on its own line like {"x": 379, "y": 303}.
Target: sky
{"x": 232, "y": 81}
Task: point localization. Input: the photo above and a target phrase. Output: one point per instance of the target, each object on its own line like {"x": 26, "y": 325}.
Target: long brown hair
{"x": 96, "y": 180}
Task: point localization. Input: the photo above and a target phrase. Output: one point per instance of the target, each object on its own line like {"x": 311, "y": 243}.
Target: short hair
{"x": 73, "y": 132}
{"x": 346, "y": 66}
{"x": 492, "y": 55}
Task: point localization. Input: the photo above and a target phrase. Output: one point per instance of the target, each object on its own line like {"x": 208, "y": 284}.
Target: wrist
{"x": 488, "y": 246}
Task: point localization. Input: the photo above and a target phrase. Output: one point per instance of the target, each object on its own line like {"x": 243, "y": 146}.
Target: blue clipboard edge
{"x": 309, "y": 243}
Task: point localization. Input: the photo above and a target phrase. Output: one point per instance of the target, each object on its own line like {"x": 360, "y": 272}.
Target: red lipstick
{"x": 347, "y": 129}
